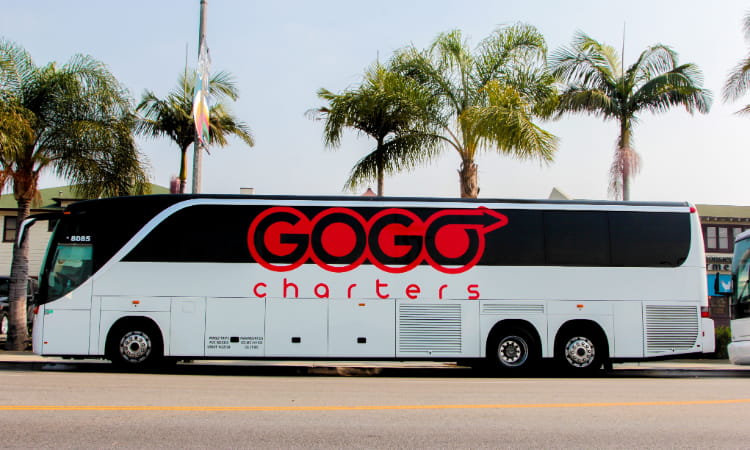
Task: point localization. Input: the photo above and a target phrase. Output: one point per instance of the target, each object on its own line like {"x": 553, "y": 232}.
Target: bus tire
{"x": 135, "y": 345}
{"x": 581, "y": 351}
{"x": 512, "y": 350}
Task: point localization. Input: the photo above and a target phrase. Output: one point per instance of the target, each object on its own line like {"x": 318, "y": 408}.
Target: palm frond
{"x": 224, "y": 124}
{"x": 403, "y": 153}
{"x": 738, "y": 81}
{"x": 509, "y": 48}
{"x": 16, "y": 69}
{"x": 587, "y": 63}
{"x": 652, "y": 62}
{"x": 576, "y": 99}
{"x": 507, "y": 125}
{"x": 678, "y": 87}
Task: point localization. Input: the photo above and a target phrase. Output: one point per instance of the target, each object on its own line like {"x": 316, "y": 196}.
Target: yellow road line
{"x": 359, "y": 408}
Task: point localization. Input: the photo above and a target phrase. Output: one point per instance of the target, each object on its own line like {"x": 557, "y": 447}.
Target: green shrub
{"x": 723, "y": 338}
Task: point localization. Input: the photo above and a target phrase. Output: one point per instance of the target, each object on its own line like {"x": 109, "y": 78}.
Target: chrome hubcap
{"x": 513, "y": 351}
{"x": 135, "y": 346}
{"x": 580, "y": 352}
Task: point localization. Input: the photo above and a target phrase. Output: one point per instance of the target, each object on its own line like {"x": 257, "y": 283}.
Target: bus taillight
{"x": 705, "y": 312}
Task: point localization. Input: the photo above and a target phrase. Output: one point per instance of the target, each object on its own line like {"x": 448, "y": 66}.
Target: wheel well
{"x": 582, "y": 326}
{"x": 517, "y": 324}
{"x": 131, "y": 322}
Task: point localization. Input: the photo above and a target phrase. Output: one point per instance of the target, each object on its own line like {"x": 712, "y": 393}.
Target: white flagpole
{"x": 197, "y": 150}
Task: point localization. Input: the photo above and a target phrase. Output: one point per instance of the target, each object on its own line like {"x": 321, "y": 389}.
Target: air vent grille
{"x": 506, "y": 309}
{"x": 429, "y": 329}
{"x": 671, "y": 328}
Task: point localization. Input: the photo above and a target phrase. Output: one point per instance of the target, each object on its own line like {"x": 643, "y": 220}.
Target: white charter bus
{"x": 739, "y": 348}
{"x": 138, "y": 280}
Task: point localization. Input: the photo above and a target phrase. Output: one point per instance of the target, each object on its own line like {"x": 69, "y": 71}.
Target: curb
{"x": 376, "y": 367}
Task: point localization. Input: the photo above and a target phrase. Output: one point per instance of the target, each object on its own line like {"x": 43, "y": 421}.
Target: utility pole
{"x": 197, "y": 150}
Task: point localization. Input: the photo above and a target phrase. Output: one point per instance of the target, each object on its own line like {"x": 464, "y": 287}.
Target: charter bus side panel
{"x": 557, "y": 289}
{"x": 546, "y": 297}
{"x": 604, "y": 285}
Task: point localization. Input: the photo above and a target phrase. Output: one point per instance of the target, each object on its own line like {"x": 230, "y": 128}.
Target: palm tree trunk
{"x": 627, "y": 163}
{"x": 183, "y": 170}
{"x": 469, "y": 179}
{"x": 18, "y": 334}
{"x": 381, "y": 183}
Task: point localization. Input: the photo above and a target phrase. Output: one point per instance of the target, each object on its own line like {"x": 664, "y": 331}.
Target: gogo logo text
{"x": 394, "y": 240}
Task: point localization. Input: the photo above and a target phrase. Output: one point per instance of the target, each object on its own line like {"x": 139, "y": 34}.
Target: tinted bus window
{"x": 219, "y": 233}
{"x": 649, "y": 239}
{"x": 575, "y": 238}
{"x": 520, "y": 243}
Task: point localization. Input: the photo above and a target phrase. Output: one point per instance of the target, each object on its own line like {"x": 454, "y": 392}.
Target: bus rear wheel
{"x": 135, "y": 346}
{"x": 581, "y": 352}
{"x": 512, "y": 351}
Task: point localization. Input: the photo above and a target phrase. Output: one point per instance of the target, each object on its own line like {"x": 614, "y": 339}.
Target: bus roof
{"x": 166, "y": 200}
{"x": 742, "y": 236}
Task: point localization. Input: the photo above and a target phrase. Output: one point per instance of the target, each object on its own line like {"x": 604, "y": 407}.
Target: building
{"x": 721, "y": 224}
{"x": 52, "y": 199}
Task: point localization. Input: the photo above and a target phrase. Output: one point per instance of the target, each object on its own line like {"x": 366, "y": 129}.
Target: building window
{"x": 710, "y": 238}
{"x": 9, "y": 229}
{"x": 724, "y": 238}
{"x": 720, "y": 238}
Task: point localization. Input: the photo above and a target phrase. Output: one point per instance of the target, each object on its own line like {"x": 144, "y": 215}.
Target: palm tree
{"x": 739, "y": 78}
{"x": 392, "y": 110}
{"x": 172, "y": 116}
{"x": 74, "y": 120}
{"x": 598, "y": 84}
{"x": 488, "y": 99}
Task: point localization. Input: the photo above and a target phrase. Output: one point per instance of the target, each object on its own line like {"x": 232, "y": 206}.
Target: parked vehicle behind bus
{"x": 5, "y": 305}
{"x": 507, "y": 283}
{"x": 739, "y": 348}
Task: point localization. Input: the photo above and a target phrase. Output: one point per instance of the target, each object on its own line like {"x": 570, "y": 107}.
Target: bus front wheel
{"x": 135, "y": 345}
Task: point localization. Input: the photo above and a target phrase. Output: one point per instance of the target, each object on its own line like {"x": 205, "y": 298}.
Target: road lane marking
{"x": 362, "y": 408}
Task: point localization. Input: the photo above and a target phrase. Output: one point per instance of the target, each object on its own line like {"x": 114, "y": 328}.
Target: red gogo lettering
{"x": 394, "y": 240}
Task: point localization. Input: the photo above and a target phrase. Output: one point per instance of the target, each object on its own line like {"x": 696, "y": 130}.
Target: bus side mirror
{"x": 720, "y": 289}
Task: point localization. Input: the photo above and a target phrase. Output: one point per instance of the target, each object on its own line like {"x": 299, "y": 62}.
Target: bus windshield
{"x": 741, "y": 271}
{"x": 70, "y": 267}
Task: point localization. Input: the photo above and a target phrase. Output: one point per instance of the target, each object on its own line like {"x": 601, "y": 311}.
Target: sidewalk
{"x": 671, "y": 364}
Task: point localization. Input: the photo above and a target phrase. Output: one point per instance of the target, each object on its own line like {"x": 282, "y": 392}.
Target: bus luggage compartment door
{"x": 187, "y": 331}
{"x": 235, "y": 327}
{"x": 297, "y": 327}
{"x": 362, "y": 328}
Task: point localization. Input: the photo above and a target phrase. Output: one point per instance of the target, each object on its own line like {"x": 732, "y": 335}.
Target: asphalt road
{"x": 87, "y": 405}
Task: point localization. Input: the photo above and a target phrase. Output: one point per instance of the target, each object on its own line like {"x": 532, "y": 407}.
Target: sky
{"x": 280, "y": 53}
